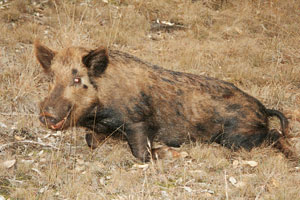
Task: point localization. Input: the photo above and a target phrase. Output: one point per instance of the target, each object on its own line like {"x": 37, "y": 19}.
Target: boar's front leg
{"x": 140, "y": 136}
{"x": 93, "y": 140}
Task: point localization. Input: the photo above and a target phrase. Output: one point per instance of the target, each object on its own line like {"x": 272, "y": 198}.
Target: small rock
{"x": 232, "y": 180}
{"x": 2, "y": 197}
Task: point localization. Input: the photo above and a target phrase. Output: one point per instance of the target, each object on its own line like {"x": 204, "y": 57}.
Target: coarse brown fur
{"x": 108, "y": 90}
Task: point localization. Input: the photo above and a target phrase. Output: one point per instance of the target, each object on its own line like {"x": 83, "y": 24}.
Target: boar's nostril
{"x": 52, "y": 120}
{"x": 47, "y": 120}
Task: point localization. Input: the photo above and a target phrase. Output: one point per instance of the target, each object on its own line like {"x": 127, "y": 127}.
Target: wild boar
{"x": 107, "y": 90}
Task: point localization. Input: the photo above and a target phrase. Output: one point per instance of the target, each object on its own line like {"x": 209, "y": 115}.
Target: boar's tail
{"x": 283, "y": 121}
{"x": 282, "y": 142}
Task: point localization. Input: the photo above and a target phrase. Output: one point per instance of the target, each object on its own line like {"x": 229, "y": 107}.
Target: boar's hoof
{"x": 92, "y": 140}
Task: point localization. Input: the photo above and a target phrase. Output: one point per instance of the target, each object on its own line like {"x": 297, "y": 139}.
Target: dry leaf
{"x": 208, "y": 191}
{"x": 251, "y": 163}
{"x": 19, "y": 138}
{"x": 183, "y": 154}
{"x": 79, "y": 168}
{"x": 40, "y": 153}
{"x": 235, "y": 163}
{"x": 239, "y": 31}
{"x": 79, "y": 161}
{"x": 37, "y": 171}
{"x": 9, "y": 163}
{"x": 188, "y": 189}
{"x": 3, "y": 125}
{"x": 102, "y": 181}
{"x": 28, "y": 162}
{"x": 42, "y": 190}
{"x": 240, "y": 184}
{"x": 207, "y": 194}
{"x": 144, "y": 166}
{"x": 275, "y": 183}
{"x": 164, "y": 193}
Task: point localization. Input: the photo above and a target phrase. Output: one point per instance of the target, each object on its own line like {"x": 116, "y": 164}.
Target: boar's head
{"x": 73, "y": 92}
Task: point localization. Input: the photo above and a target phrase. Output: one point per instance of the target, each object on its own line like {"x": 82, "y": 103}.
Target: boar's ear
{"x": 44, "y": 55}
{"x": 96, "y": 61}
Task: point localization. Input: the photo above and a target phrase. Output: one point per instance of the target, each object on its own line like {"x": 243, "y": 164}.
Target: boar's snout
{"x": 50, "y": 121}
{"x": 55, "y": 109}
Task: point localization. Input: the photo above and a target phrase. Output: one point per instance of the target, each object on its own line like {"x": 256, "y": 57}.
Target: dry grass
{"x": 253, "y": 44}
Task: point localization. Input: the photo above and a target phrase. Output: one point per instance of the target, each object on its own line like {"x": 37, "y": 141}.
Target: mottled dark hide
{"x": 109, "y": 91}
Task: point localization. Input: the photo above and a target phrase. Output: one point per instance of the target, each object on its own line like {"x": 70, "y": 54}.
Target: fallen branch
{"x": 2, "y": 147}
{"x": 17, "y": 114}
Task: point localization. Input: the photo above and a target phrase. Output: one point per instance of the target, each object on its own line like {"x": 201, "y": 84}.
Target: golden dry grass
{"x": 253, "y": 44}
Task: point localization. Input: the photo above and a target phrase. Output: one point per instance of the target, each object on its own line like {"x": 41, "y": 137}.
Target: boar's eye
{"x": 77, "y": 80}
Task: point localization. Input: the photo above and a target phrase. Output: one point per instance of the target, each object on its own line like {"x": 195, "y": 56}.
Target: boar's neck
{"x": 101, "y": 120}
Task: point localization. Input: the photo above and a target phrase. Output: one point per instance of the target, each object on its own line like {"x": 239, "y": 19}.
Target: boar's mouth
{"x": 51, "y": 122}
{"x": 58, "y": 125}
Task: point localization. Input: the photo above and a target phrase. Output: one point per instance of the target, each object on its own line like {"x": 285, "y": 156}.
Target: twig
{"x": 226, "y": 185}
{"x": 39, "y": 143}
{"x": 264, "y": 186}
{"x": 2, "y": 147}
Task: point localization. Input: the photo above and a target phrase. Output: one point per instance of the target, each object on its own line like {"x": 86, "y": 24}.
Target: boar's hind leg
{"x": 140, "y": 137}
{"x": 239, "y": 140}
{"x": 236, "y": 134}
{"x": 282, "y": 143}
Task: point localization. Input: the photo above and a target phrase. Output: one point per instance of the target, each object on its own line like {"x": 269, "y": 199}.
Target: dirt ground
{"x": 253, "y": 44}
